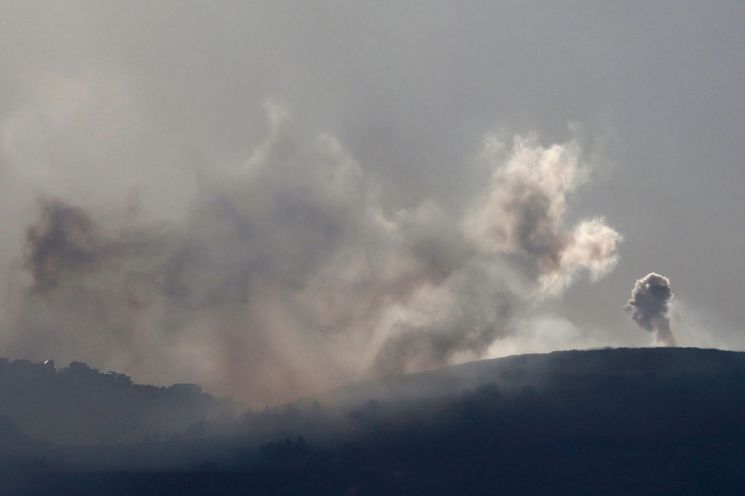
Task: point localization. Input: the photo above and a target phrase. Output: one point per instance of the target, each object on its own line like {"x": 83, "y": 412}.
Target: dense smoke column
{"x": 650, "y": 306}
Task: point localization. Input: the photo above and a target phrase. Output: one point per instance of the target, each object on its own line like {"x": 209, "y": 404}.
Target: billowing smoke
{"x": 523, "y": 215}
{"x": 521, "y": 252}
{"x": 650, "y": 307}
{"x": 288, "y": 274}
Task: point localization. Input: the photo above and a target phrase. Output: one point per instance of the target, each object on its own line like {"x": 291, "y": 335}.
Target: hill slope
{"x": 79, "y": 405}
{"x": 556, "y": 369}
{"x": 629, "y": 421}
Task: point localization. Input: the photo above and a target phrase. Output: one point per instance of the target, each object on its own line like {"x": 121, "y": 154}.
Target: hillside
{"x": 563, "y": 369}
{"x": 80, "y": 405}
{"x": 627, "y": 421}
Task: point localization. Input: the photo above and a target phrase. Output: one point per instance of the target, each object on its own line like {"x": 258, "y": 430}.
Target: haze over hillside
{"x": 648, "y": 421}
{"x": 80, "y": 405}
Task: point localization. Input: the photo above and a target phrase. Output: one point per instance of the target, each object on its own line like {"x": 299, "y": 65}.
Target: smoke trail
{"x": 649, "y": 306}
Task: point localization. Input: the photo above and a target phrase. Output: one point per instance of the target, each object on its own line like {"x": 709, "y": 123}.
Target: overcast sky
{"x": 120, "y": 106}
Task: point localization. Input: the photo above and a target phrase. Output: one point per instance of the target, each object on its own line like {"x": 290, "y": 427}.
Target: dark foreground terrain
{"x": 602, "y": 422}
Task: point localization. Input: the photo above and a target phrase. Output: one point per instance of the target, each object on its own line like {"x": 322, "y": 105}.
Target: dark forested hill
{"x": 627, "y": 421}
{"x": 80, "y": 405}
{"x": 558, "y": 369}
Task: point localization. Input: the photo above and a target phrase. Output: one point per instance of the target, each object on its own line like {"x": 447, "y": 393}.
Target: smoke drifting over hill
{"x": 288, "y": 271}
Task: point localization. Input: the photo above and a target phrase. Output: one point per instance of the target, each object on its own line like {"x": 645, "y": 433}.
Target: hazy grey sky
{"x": 122, "y": 107}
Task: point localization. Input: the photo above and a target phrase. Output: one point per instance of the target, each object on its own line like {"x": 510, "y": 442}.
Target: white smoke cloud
{"x": 523, "y": 215}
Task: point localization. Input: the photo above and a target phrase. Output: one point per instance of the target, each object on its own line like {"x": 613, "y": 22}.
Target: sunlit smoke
{"x": 288, "y": 275}
{"x": 524, "y": 210}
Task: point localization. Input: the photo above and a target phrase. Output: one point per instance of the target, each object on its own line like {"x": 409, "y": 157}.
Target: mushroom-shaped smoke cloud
{"x": 649, "y": 306}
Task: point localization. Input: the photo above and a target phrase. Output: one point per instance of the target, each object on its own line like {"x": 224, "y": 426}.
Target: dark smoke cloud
{"x": 64, "y": 242}
{"x": 287, "y": 275}
{"x": 650, "y": 306}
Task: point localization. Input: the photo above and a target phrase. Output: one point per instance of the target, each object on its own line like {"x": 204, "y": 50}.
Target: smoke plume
{"x": 289, "y": 274}
{"x": 523, "y": 215}
{"x": 650, "y": 306}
